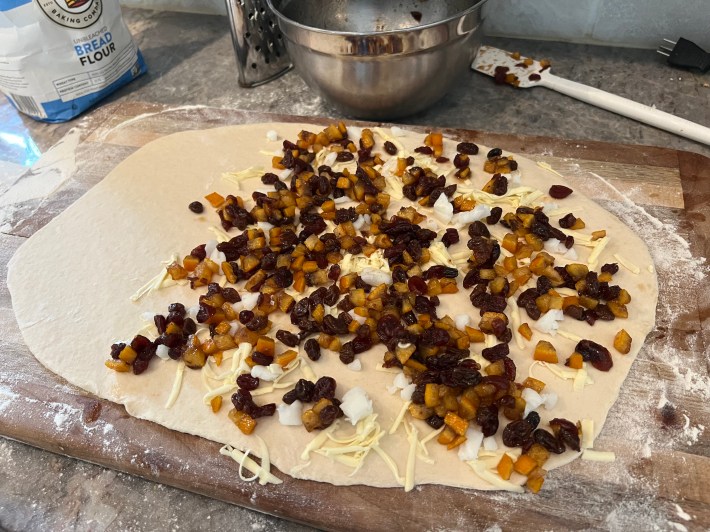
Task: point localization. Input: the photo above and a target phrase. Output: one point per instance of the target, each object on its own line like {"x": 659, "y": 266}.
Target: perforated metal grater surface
{"x": 258, "y": 43}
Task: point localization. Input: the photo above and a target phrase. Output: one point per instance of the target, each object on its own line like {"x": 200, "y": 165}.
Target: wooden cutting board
{"x": 656, "y": 428}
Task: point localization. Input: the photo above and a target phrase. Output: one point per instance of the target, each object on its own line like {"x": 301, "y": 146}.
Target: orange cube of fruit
{"x": 505, "y": 466}
{"x": 545, "y": 352}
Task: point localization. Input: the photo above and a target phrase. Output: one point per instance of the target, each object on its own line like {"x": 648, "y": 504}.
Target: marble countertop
{"x": 191, "y": 62}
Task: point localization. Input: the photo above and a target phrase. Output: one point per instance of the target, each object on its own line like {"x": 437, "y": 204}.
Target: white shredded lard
{"x": 356, "y": 405}
{"x": 375, "y": 277}
{"x": 407, "y": 391}
{"x": 466, "y": 217}
{"x": 443, "y": 209}
{"x": 249, "y": 300}
{"x": 469, "y": 449}
{"x": 267, "y": 373}
{"x": 462, "y": 320}
{"x": 549, "y": 322}
{"x": 272, "y": 135}
{"x": 290, "y": 415}
{"x": 355, "y": 365}
{"x": 532, "y": 400}
{"x": 162, "y": 351}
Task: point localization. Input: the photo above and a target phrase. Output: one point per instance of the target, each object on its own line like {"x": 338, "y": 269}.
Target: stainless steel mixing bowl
{"x": 380, "y": 59}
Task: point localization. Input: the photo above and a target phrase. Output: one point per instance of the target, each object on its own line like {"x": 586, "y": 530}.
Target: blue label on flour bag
{"x": 59, "y": 57}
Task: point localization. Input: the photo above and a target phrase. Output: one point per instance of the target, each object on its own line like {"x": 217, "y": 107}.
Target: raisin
{"x": 257, "y": 323}
{"x": 499, "y": 185}
{"x": 559, "y": 191}
{"x": 576, "y": 312}
{"x": 516, "y": 433}
{"x": 196, "y": 207}
{"x": 245, "y": 316}
{"x": 328, "y": 415}
{"x": 567, "y": 221}
{"x": 461, "y": 160}
{"x": 610, "y": 268}
{"x": 533, "y": 419}
{"x": 487, "y": 418}
{"x": 231, "y": 295}
{"x": 287, "y": 338}
{"x": 418, "y": 394}
{"x": 469, "y": 148}
{"x": 247, "y": 382}
{"x": 116, "y": 349}
{"x": 426, "y": 150}
{"x": 494, "y": 154}
{"x": 478, "y": 228}
{"x": 160, "y": 323}
{"x": 451, "y": 236}
{"x": 390, "y": 148}
{"x": 324, "y": 388}
{"x": 262, "y": 359}
{"x": 494, "y": 216}
{"x": 312, "y": 349}
{"x": 289, "y": 397}
{"x": 435, "y": 422}
{"x": 178, "y": 308}
{"x": 304, "y": 390}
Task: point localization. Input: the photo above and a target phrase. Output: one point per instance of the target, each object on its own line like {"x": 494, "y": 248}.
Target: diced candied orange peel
{"x": 545, "y": 352}
{"x": 622, "y": 342}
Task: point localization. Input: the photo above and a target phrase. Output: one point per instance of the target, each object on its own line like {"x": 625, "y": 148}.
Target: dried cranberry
{"x": 566, "y": 432}
{"x": 247, "y": 382}
{"x": 497, "y": 352}
{"x": 597, "y": 354}
{"x": 559, "y": 191}
{"x": 548, "y": 441}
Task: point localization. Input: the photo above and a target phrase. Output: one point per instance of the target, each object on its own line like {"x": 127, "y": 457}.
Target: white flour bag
{"x": 59, "y": 57}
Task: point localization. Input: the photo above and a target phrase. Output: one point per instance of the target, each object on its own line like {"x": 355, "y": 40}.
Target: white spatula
{"x": 524, "y": 73}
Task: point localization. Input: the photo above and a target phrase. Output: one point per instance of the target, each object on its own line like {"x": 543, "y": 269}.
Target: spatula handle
{"x": 637, "y": 111}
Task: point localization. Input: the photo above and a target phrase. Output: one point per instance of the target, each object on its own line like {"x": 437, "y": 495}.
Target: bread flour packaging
{"x": 59, "y": 57}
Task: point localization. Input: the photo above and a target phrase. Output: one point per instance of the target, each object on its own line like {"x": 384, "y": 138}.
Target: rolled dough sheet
{"x": 71, "y": 283}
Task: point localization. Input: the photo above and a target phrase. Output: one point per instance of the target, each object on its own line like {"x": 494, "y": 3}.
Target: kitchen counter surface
{"x": 191, "y": 63}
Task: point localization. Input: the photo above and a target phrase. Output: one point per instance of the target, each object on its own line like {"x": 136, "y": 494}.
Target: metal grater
{"x": 258, "y": 43}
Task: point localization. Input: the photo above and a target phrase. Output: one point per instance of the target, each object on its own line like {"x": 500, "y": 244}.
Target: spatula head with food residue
{"x": 510, "y": 67}
{"x": 523, "y": 72}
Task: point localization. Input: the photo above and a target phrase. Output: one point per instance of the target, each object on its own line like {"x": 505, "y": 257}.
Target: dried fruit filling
{"x": 289, "y": 256}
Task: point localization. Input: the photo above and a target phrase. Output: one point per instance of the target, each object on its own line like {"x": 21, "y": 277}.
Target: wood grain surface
{"x": 656, "y": 428}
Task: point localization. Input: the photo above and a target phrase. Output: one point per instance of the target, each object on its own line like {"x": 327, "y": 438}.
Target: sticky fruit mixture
{"x": 295, "y": 267}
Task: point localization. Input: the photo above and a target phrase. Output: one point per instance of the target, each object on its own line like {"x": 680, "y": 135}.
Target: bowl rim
{"x": 457, "y": 16}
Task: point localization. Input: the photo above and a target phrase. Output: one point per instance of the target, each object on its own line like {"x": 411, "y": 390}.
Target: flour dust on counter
{"x": 461, "y": 335}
